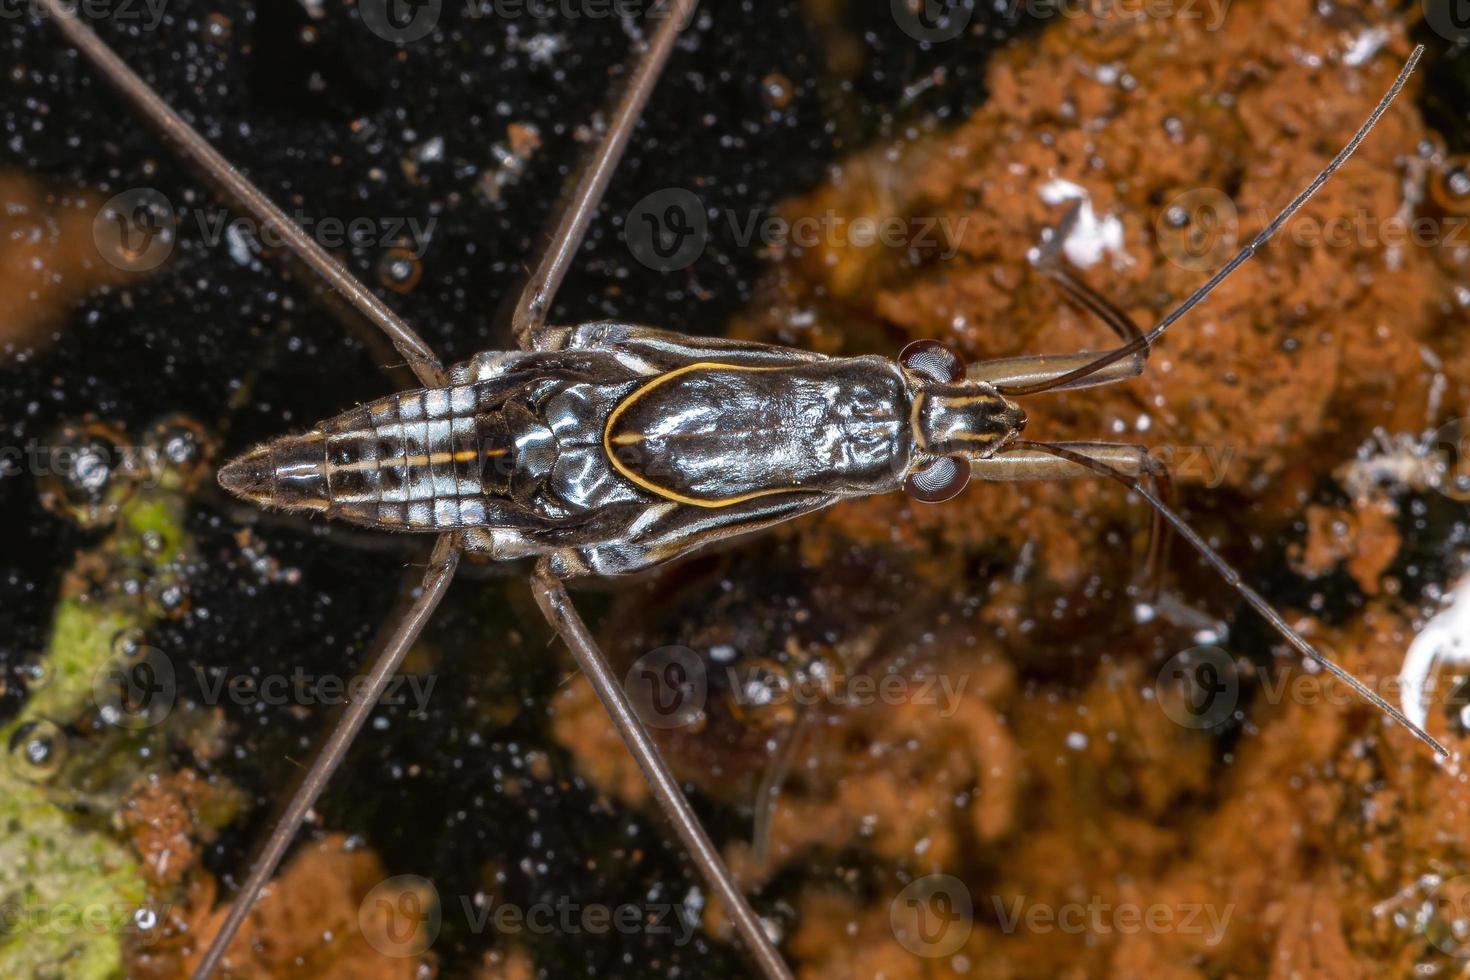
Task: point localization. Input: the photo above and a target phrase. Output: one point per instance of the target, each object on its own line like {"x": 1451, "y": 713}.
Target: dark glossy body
{"x": 619, "y": 447}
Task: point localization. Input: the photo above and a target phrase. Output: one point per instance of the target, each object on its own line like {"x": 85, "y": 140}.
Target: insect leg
{"x": 535, "y": 300}
{"x": 556, "y": 605}
{"x": 1033, "y": 369}
{"x": 1103, "y": 362}
{"x": 1041, "y": 369}
{"x": 442, "y": 565}
{"x": 768, "y": 794}
{"x": 1100, "y": 463}
{"x": 1026, "y": 463}
{"x": 239, "y": 188}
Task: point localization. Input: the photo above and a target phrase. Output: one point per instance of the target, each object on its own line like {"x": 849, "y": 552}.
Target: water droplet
{"x": 84, "y": 473}
{"x": 37, "y": 750}
{"x": 776, "y": 91}
{"x": 178, "y": 446}
{"x": 399, "y": 270}
{"x": 218, "y": 29}
{"x": 129, "y": 645}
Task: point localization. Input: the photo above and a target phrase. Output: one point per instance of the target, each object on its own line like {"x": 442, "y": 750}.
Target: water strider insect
{"x": 604, "y": 448}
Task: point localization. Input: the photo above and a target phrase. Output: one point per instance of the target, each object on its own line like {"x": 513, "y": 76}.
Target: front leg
{"x": 1013, "y": 465}
{"x": 1039, "y": 370}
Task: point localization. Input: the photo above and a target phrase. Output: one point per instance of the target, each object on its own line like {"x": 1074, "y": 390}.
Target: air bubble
{"x": 1449, "y": 186}
{"x": 765, "y": 695}
{"x": 167, "y": 595}
{"x": 178, "y": 446}
{"x": 399, "y": 270}
{"x": 777, "y": 91}
{"x": 37, "y": 750}
{"x": 218, "y": 29}
{"x": 84, "y": 474}
{"x": 129, "y": 645}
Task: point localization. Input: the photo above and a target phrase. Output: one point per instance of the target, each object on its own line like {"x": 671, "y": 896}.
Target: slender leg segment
{"x": 238, "y": 187}
{"x": 1098, "y": 463}
{"x": 535, "y": 301}
{"x": 1070, "y": 379}
{"x": 442, "y": 564}
{"x": 1025, "y": 463}
{"x": 1008, "y": 372}
{"x": 557, "y": 606}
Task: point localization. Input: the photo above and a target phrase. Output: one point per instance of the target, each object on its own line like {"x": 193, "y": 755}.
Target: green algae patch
{"x": 70, "y": 896}
{"x": 73, "y": 894}
{"x": 82, "y": 634}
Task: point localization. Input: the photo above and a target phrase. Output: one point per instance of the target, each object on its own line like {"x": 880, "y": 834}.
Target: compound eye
{"x": 933, "y": 360}
{"x": 941, "y": 480}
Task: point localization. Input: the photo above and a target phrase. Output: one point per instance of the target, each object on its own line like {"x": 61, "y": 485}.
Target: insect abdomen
{"x": 410, "y": 461}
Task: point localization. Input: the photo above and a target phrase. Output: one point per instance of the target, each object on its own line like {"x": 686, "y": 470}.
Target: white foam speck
{"x": 1091, "y": 237}
{"x": 1365, "y": 46}
{"x": 238, "y": 245}
{"x": 1444, "y": 639}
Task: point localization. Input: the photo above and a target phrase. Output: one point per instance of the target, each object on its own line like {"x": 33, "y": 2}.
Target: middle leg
{"x": 1025, "y": 463}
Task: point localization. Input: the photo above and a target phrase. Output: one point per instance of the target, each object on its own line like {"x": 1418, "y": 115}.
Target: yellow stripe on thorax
{"x": 631, "y": 438}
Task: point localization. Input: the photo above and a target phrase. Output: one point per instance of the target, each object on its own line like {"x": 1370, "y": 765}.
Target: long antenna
{"x": 1150, "y": 338}
{"x": 1232, "y": 578}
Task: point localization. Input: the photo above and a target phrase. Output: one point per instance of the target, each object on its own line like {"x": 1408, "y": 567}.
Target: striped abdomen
{"x": 411, "y": 461}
